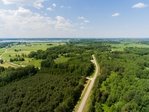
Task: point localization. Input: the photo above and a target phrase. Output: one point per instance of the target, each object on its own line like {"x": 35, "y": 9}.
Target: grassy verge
{"x": 83, "y": 93}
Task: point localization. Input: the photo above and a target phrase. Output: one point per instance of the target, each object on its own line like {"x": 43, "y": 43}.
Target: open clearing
{"x": 61, "y": 59}
{"x": 122, "y": 46}
{"x": 23, "y": 49}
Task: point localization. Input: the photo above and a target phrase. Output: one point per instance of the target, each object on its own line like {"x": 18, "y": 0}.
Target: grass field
{"x": 26, "y": 48}
{"x": 61, "y": 59}
{"x": 121, "y": 46}
{"x": 23, "y": 49}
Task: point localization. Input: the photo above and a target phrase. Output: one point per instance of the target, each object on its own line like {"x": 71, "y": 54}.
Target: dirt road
{"x": 90, "y": 86}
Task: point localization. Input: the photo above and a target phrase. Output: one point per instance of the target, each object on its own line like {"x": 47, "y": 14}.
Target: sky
{"x": 74, "y": 18}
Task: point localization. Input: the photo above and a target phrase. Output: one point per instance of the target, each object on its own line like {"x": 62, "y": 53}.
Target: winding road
{"x": 90, "y": 86}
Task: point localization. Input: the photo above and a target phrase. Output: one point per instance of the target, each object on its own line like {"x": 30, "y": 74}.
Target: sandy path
{"x": 85, "y": 97}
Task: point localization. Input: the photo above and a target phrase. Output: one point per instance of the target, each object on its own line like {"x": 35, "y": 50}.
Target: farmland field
{"x": 23, "y": 49}
{"x": 122, "y": 46}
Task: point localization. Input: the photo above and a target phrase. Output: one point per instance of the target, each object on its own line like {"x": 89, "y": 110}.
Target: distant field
{"x": 26, "y": 48}
{"x": 23, "y": 49}
{"x": 121, "y": 46}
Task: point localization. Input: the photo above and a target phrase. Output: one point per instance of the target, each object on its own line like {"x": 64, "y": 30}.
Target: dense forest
{"x": 54, "y": 87}
{"x": 12, "y": 74}
{"x": 123, "y": 85}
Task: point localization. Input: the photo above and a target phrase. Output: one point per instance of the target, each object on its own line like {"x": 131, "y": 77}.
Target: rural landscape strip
{"x": 13, "y": 64}
{"x": 3, "y": 53}
{"x": 90, "y": 86}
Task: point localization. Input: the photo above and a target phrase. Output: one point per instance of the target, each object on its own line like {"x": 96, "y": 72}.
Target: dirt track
{"x": 90, "y": 86}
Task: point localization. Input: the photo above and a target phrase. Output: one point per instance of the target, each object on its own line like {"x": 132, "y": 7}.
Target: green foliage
{"x": 17, "y": 59}
{"x": 124, "y": 81}
{"x": 7, "y": 44}
{"x": 123, "y": 85}
{"x": 55, "y": 88}
{"x": 1, "y": 61}
{"x": 78, "y": 62}
{"x": 11, "y": 74}
{"x": 40, "y": 93}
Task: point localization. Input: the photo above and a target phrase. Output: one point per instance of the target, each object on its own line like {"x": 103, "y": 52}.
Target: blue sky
{"x": 74, "y": 18}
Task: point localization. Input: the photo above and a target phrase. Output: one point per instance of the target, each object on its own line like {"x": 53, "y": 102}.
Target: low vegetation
{"x": 17, "y": 53}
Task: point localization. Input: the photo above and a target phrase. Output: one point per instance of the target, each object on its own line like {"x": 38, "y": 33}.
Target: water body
{"x": 4, "y": 40}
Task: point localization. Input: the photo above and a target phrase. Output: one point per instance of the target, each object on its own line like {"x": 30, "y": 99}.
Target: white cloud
{"x": 62, "y": 23}
{"x": 86, "y": 21}
{"x": 81, "y": 18}
{"x": 7, "y": 2}
{"x": 115, "y": 14}
{"x": 67, "y": 7}
{"x": 38, "y": 4}
{"x": 139, "y": 5}
{"x": 24, "y": 22}
{"x": 49, "y": 9}
{"x": 35, "y": 3}
{"x": 22, "y": 12}
{"x": 10, "y": 1}
{"x": 22, "y": 2}
{"x": 53, "y": 5}
{"x": 83, "y": 21}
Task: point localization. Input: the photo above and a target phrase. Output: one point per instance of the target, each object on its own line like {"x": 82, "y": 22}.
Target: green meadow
{"x": 22, "y": 50}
